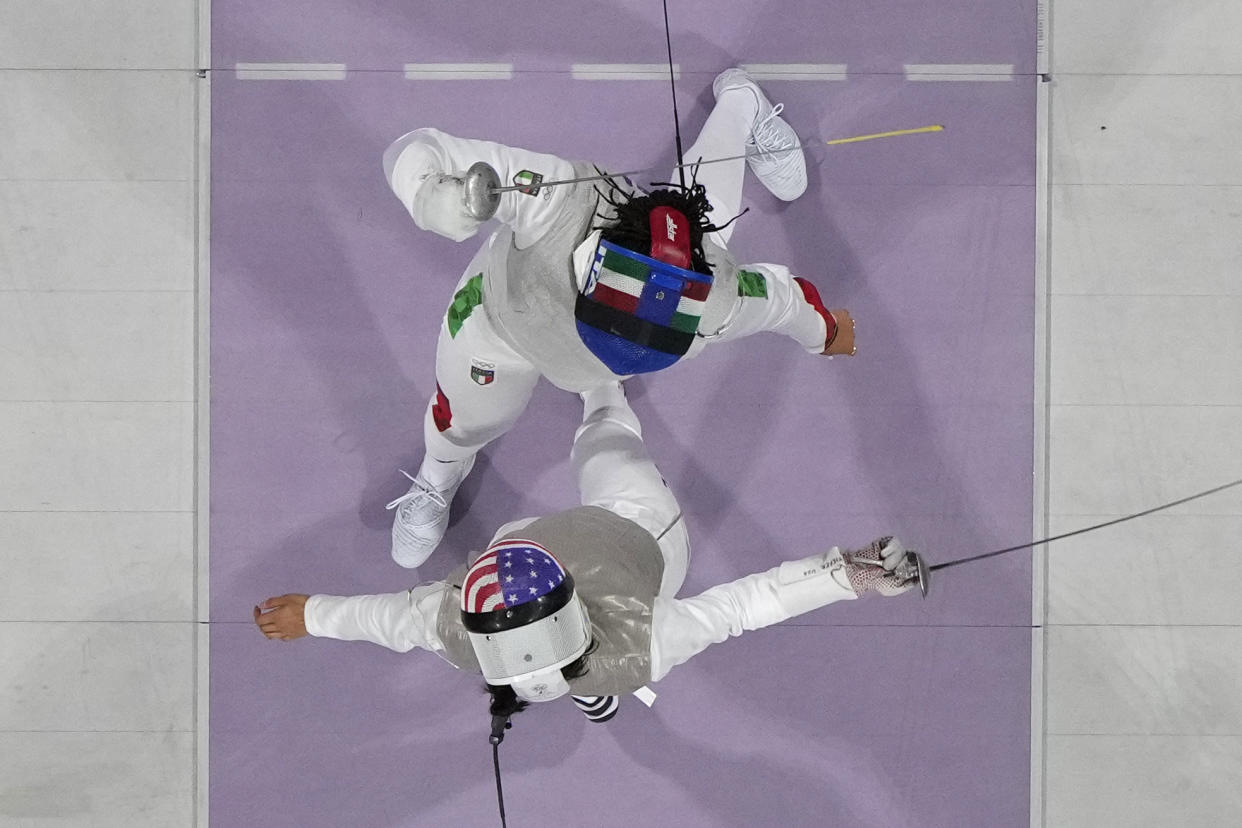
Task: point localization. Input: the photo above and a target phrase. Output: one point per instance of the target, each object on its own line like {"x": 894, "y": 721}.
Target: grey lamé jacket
{"x": 616, "y": 566}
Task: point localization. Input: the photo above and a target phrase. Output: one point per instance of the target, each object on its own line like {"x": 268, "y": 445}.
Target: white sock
{"x": 596, "y": 398}
{"x": 607, "y": 402}
{"x": 442, "y": 474}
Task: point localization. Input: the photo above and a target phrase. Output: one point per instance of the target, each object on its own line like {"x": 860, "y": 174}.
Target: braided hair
{"x": 504, "y": 701}
{"x": 630, "y": 227}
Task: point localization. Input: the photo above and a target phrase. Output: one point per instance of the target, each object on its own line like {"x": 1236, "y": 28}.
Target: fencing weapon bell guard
{"x": 911, "y": 568}
{"x": 481, "y": 194}
{"x": 524, "y": 619}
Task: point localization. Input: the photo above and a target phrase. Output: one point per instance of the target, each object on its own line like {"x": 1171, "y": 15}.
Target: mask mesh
{"x": 549, "y": 642}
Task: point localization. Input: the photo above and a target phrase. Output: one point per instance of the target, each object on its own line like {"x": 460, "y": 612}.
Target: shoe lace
{"x": 418, "y": 491}
{"x": 767, "y": 135}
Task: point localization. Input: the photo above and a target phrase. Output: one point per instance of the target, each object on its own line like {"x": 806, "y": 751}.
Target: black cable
{"x": 948, "y": 564}
{"x": 673, "y": 86}
{"x": 500, "y": 723}
{"x": 500, "y": 794}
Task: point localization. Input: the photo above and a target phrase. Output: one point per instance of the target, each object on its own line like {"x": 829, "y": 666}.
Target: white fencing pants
{"x": 616, "y": 473}
{"x": 482, "y": 384}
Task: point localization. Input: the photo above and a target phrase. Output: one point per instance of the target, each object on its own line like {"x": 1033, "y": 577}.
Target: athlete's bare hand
{"x": 283, "y": 617}
{"x": 844, "y": 341}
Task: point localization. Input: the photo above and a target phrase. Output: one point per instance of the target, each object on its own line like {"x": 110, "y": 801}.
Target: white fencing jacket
{"x": 680, "y": 627}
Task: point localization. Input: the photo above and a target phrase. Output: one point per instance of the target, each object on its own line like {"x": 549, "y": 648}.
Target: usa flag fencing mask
{"x": 524, "y": 619}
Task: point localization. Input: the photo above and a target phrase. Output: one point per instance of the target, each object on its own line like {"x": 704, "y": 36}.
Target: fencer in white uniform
{"x": 628, "y": 550}
{"x": 512, "y": 316}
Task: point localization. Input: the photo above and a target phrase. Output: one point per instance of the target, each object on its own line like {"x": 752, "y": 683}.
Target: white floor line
{"x": 622, "y": 71}
{"x": 959, "y": 72}
{"x": 459, "y": 71}
{"x": 202, "y": 35}
{"x": 202, "y": 447}
{"x": 797, "y": 71}
{"x": 1041, "y": 527}
{"x": 1039, "y": 701}
{"x": 290, "y": 71}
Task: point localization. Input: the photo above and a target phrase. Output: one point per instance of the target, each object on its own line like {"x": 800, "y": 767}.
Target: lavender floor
{"x": 324, "y": 309}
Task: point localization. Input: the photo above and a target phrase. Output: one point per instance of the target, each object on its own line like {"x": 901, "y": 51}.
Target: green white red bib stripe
{"x": 656, "y": 291}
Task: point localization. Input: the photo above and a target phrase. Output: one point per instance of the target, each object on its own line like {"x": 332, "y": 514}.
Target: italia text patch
{"x": 483, "y": 373}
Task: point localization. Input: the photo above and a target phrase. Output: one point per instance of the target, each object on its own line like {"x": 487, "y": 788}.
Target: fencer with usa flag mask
{"x": 584, "y": 602}
{"x": 591, "y": 282}
{"x": 524, "y": 619}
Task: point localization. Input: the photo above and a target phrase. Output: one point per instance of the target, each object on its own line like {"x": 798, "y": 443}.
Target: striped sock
{"x": 597, "y": 708}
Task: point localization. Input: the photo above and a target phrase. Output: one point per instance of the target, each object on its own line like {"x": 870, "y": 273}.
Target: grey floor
{"x": 1138, "y": 716}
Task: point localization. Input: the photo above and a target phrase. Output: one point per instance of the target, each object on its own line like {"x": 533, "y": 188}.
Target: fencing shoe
{"x": 772, "y": 151}
{"x": 422, "y": 518}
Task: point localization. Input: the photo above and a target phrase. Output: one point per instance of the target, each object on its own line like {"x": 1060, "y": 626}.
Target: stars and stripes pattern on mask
{"x": 510, "y": 573}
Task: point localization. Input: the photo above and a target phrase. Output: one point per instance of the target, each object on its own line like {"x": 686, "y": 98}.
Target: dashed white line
{"x": 796, "y": 71}
{"x": 623, "y": 71}
{"x": 459, "y": 71}
{"x": 959, "y": 72}
{"x": 290, "y": 71}
{"x": 952, "y": 72}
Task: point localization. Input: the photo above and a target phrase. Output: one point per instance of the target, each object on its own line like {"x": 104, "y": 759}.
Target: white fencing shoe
{"x": 422, "y": 518}
{"x": 772, "y": 151}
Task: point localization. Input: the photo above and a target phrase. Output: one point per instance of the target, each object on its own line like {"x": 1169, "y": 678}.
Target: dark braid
{"x": 504, "y": 701}
{"x": 631, "y": 226}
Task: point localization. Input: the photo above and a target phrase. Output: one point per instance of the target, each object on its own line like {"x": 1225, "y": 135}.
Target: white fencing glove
{"x": 440, "y": 206}
{"x": 886, "y": 553}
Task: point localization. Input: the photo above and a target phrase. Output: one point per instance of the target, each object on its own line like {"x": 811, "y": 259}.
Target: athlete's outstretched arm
{"x": 399, "y": 621}
{"x": 423, "y": 168}
{"x": 770, "y": 298}
{"x": 683, "y": 627}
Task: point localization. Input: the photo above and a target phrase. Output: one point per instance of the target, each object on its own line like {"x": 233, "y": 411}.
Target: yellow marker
{"x": 856, "y": 139}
